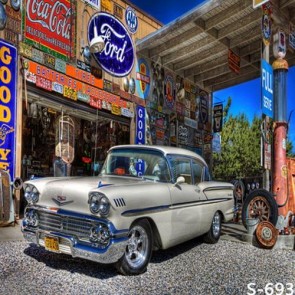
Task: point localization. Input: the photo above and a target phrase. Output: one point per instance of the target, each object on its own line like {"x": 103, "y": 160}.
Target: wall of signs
{"x": 179, "y": 111}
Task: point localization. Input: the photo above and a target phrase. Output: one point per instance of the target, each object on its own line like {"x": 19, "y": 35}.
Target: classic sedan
{"x": 145, "y": 198}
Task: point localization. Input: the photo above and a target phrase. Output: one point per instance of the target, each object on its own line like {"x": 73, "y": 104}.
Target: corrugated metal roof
{"x": 196, "y": 44}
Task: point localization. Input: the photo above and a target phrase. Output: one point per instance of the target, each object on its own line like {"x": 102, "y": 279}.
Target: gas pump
{"x": 7, "y": 211}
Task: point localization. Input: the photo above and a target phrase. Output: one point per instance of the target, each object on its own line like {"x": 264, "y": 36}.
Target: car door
{"x": 186, "y": 198}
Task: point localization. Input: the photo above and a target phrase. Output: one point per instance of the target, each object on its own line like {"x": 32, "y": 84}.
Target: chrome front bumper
{"x": 69, "y": 245}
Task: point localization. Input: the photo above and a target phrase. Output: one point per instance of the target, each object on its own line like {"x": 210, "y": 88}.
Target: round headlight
{"x": 31, "y": 194}
{"x": 100, "y": 234}
{"x": 99, "y": 203}
{"x": 31, "y": 218}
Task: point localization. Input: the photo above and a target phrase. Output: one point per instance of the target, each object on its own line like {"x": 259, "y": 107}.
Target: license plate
{"x": 51, "y": 244}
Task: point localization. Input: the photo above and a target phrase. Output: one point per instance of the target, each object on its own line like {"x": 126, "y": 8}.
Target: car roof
{"x": 164, "y": 149}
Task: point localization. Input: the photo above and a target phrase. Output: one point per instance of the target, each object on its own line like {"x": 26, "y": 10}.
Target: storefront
{"x": 55, "y": 129}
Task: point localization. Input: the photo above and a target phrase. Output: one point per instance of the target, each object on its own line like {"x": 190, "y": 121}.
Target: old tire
{"x": 213, "y": 235}
{"x": 260, "y": 205}
{"x": 138, "y": 250}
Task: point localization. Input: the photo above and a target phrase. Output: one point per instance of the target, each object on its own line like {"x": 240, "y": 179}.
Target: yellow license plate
{"x": 51, "y": 244}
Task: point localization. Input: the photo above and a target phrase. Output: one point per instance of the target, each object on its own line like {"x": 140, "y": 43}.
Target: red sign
{"x": 44, "y": 83}
{"x": 234, "y": 61}
{"x": 51, "y": 24}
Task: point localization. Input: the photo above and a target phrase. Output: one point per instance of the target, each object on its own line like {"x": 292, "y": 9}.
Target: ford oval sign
{"x": 117, "y": 57}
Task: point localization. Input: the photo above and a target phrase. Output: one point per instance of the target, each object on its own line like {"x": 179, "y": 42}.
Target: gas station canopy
{"x": 196, "y": 45}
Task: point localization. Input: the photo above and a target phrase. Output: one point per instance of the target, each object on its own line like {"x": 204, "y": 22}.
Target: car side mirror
{"x": 180, "y": 180}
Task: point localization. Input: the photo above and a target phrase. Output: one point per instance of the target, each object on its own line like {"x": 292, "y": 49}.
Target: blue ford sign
{"x": 117, "y": 57}
{"x": 267, "y": 88}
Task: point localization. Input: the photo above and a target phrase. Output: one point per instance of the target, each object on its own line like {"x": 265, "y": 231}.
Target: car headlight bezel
{"x": 31, "y": 218}
{"x": 99, "y": 204}
{"x": 31, "y": 194}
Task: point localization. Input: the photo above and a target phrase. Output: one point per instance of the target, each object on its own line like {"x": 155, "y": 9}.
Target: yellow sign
{"x": 107, "y": 5}
{"x": 257, "y": 3}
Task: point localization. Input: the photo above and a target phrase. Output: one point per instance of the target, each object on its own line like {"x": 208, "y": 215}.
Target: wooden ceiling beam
{"x": 230, "y": 76}
{"x": 227, "y": 13}
{"x": 233, "y": 82}
{"x": 153, "y": 39}
{"x": 172, "y": 44}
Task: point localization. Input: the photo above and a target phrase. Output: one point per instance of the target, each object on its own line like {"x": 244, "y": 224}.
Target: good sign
{"x": 8, "y": 105}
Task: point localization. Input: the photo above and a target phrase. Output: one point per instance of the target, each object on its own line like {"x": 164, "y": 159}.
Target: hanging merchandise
{"x": 65, "y": 139}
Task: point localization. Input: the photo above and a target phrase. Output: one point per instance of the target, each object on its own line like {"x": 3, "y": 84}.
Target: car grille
{"x": 65, "y": 224}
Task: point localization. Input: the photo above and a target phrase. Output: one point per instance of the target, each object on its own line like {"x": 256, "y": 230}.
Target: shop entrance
{"x": 52, "y": 134}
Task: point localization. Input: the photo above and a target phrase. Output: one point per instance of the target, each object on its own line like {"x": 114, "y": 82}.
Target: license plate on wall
{"x": 51, "y": 244}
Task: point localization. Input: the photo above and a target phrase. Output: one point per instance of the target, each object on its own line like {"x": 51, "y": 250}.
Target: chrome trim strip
{"x": 217, "y": 188}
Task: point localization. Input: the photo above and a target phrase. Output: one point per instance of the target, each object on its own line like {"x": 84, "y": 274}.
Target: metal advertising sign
{"x": 292, "y": 36}
{"x": 267, "y": 88}
{"x": 131, "y": 19}
{"x": 51, "y": 25}
{"x": 234, "y": 61}
{"x": 217, "y": 117}
{"x": 140, "y": 125}
{"x": 143, "y": 78}
{"x": 8, "y": 95}
{"x": 266, "y": 24}
{"x": 94, "y": 3}
{"x": 117, "y": 57}
{"x": 257, "y": 3}
{"x": 169, "y": 91}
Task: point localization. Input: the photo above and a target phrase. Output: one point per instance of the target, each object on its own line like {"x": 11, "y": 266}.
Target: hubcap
{"x": 216, "y": 224}
{"x": 137, "y": 247}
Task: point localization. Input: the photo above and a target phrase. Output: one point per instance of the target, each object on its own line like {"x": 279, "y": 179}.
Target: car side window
{"x": 181, "y": 167}
{"x": 197, "y": 172}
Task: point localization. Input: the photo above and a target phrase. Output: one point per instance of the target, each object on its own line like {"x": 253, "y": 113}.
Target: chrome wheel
{"x": 137, "y": 249}
{"x": 216, "y": 225}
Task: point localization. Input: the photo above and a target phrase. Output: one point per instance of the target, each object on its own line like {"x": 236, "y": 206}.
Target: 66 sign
{"x": 140, "y": 125}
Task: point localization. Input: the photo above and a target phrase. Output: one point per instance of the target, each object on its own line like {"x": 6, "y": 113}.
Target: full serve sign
{"x": 267, "y": 89}
{"x": 8, "y": 82}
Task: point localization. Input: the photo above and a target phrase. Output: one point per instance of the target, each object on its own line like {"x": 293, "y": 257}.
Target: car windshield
{"x": 148, "y": 164}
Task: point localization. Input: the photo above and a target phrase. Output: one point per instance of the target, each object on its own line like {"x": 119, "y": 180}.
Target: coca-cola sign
{"x": 117, "y": 57}
{"x": 50, "y": 24}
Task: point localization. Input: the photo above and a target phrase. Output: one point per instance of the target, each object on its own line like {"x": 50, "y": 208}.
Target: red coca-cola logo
{"x": 49, "y": 23}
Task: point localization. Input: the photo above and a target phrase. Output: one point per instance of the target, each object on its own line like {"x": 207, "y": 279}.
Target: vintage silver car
{"x": 145, "y": 198}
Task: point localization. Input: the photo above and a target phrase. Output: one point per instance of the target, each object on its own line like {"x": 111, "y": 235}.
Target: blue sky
{"x": 246, "y": 97}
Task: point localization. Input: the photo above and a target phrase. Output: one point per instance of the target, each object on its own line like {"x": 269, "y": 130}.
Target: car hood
{"x": 72, "y": 192}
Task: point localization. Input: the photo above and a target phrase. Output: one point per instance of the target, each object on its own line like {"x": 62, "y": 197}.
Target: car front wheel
{"x": 138, "y": 250}
{"x": 213, "y": 235}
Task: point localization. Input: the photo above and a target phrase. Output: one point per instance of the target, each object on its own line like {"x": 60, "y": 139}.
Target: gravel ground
{"x": 191, "y": 268}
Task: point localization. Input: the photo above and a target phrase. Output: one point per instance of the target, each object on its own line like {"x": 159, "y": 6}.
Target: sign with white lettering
{"x": 49, "y": 25}
{"x": 117, "y": 57}
{"x": 257, "y": 3}
{"x": 140, "y": 125}
{"x": 8, "y": 95}
{"x": 131, "y": 19}
{"x": 94, "y": 3}
{"x": 267, "y": 88}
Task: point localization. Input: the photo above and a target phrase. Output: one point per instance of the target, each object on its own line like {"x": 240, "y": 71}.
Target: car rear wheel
{"x": 138, "y": 250}
{"x": 213, "y": 235}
